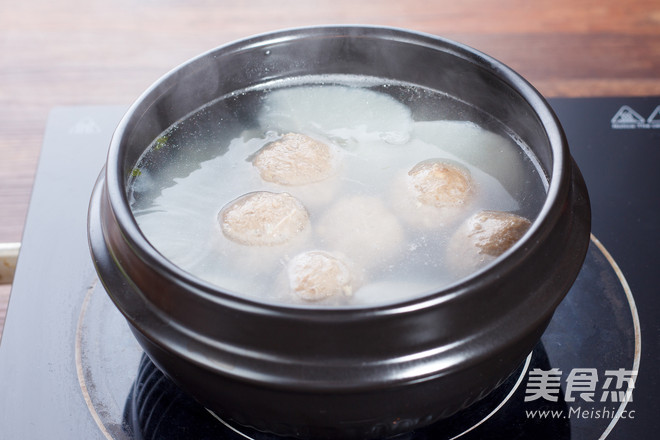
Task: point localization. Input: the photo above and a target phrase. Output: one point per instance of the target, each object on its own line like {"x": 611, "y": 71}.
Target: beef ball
{"x": 295, "y": 159}
{"x": 362, "y": 228}
{"x": 317, "y": 275}
{"x": 483, "y": 237}
{"x": 263, "y": 218}
{"x": 439, "y": 183}
{"x": 433, "y": 193}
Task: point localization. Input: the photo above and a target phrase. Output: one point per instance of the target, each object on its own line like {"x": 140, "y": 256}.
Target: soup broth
{"x": 387, "y": 175}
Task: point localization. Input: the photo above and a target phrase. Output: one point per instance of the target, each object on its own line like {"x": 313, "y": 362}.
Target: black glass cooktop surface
{"x": 69, "y": 367}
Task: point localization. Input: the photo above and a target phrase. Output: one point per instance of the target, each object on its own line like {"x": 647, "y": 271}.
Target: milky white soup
{"x": 335, "y": 191}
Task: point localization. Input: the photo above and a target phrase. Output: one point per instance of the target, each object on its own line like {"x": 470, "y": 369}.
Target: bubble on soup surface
{"x": 295, "y": 159}
{"x": 483, "y": 237}
{"x": 263, "y": 218}
{"x": 362, "y": 228}
{"x": 317, "y": 275}
{"x": 337, "y": 111}
{"x": 488, "y": 151}
{"x": 434, "y": 193}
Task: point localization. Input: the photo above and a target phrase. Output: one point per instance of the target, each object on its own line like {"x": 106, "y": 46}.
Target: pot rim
{"x": 114, "y": 180}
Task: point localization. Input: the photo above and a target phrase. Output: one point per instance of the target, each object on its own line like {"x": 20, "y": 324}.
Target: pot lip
{"x": 560, "y": 174}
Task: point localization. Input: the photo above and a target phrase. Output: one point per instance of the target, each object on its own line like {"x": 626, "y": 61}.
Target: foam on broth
{"x": 378, "y": 132}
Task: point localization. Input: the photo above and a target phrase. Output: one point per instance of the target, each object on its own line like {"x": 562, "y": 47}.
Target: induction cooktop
{"x": 70, "y": 368}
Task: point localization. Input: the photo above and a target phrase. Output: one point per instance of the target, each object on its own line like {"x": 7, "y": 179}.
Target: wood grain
{"x": 4, "y": 301}
{"x": 98, "y": 52}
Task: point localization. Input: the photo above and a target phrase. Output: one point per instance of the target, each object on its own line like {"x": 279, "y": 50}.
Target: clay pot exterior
{"x": 355, "y": 372}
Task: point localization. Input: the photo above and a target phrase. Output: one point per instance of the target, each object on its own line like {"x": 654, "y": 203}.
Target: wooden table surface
{"x": 75, "y": 52}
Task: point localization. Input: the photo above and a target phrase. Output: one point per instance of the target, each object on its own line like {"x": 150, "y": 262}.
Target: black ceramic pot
{"x": 356, "y": 372}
